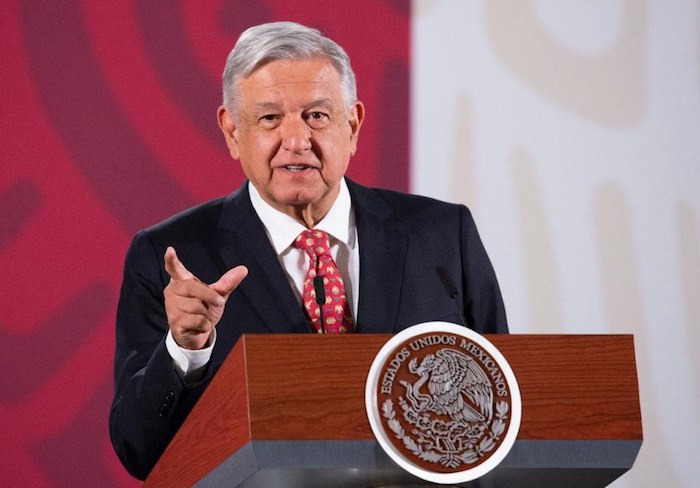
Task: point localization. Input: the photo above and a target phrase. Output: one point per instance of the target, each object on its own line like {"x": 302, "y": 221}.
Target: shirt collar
{"x": 282, "y": 229}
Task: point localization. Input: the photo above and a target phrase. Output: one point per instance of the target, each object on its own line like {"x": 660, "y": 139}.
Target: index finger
{"x": 174, "y": 267}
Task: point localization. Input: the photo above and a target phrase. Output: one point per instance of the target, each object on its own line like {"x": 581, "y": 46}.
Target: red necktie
{"x": 336, "y": 311}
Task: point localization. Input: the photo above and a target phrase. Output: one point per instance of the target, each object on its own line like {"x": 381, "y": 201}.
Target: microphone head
{"x": 447, "y": 282}
{"x": 320, "y": 290}
{"x": 451, "y": 290}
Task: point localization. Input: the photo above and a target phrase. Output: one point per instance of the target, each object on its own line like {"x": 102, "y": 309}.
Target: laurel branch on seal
{"x": 408, "y": 442}
{"x": 437, "y": 442}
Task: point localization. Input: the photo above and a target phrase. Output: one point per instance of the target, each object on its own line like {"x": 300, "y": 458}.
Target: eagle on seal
{"x": 458, "y": 387}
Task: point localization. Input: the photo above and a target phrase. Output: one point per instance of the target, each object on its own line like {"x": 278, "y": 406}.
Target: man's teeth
{"x": 295, "y": 167}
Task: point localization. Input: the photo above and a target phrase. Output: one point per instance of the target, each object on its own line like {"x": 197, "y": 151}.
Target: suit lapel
{"x": 382, "y": 258}
{"x": 244, "y": 241}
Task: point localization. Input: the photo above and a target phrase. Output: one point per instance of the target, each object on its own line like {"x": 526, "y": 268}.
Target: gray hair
{"x": 264, "y": 43}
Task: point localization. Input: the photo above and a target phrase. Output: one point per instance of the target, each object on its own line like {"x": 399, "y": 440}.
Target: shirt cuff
{"x": 187, "y": 361}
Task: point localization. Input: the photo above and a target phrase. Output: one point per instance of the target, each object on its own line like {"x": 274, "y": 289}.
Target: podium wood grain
{"x": 308, "y": 387}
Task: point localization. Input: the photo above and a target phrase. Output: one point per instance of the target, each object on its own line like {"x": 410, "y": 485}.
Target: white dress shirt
{"x": 282, "y": 230}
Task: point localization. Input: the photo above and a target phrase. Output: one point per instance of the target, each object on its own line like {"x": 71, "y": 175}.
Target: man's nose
{"x": 296, "y": 134}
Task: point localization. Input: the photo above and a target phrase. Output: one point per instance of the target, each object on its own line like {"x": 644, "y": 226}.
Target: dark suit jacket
{"x": 402, "y": 239}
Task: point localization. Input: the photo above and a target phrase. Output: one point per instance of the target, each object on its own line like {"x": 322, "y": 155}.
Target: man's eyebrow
{"x": 324, "y": 102}
{"x": 266, "y": 106}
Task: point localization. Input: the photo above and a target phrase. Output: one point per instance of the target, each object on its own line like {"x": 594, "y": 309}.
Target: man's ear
{"x": 229, "y": 127}
{"x": 355, "y": 117}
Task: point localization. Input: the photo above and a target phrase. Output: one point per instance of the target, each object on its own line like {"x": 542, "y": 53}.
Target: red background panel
{"x": 109, "y": 126}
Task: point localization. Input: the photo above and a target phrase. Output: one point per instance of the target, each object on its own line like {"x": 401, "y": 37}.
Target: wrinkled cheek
{"x": 256, "y": 169}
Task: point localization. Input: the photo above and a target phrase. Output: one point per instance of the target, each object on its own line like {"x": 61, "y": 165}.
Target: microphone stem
{"x": 452, "y": 292}
{"x": 323, "y": 322}
{"x": 320, "y": 295}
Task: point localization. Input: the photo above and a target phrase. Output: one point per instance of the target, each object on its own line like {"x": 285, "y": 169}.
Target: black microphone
{"x": 320, "y": 297}
{"x": 451, "y": 290}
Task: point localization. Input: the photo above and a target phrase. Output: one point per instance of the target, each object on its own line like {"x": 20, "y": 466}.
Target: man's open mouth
{"x": 297, "y": 167}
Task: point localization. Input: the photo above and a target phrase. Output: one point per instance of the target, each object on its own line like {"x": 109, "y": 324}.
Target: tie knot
{"x": 313, "y": 242}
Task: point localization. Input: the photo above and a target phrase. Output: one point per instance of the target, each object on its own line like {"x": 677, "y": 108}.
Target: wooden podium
{"x": 289, "y": 411}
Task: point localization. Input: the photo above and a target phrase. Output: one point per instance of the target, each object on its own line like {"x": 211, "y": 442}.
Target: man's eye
{"x": 269, "y": 121}
{"x": 317, "y": 120}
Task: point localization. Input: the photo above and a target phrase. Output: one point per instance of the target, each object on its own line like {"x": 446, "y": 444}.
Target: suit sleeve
{"x": 483, "y": 303}
{"x": 151, "y": 400}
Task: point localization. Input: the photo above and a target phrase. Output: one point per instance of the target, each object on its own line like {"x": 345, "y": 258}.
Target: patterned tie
{"x": 336, "y": 311}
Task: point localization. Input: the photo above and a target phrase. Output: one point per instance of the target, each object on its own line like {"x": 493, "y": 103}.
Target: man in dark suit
{"x": 194, "y": 283}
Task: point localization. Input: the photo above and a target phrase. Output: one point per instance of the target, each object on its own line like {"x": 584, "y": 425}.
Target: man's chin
{"x": 293, "y": 201}
{"x": 299, "y": 196}
{"x": 311, "y": 205}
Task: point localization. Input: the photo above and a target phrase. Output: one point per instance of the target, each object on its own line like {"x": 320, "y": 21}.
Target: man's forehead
{"x": 294, "y": 71}
{"x": 300, "y": 83}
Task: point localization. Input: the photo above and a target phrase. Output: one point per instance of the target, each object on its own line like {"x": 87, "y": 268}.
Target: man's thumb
{"x": 230, "y": 281}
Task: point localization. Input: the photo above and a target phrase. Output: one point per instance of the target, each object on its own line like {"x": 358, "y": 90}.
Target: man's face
{"x": 293, "y": 134}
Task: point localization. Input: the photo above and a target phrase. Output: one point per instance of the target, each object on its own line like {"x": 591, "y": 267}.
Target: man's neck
{"x": 309, "y": 214}
{"x": 282, "y": 228}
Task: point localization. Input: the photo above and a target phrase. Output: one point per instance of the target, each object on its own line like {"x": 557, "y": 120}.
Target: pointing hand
{"x": 194, "y": 308}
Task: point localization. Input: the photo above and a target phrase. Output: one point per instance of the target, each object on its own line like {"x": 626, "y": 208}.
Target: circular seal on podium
{"x": 443, "y": 402}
